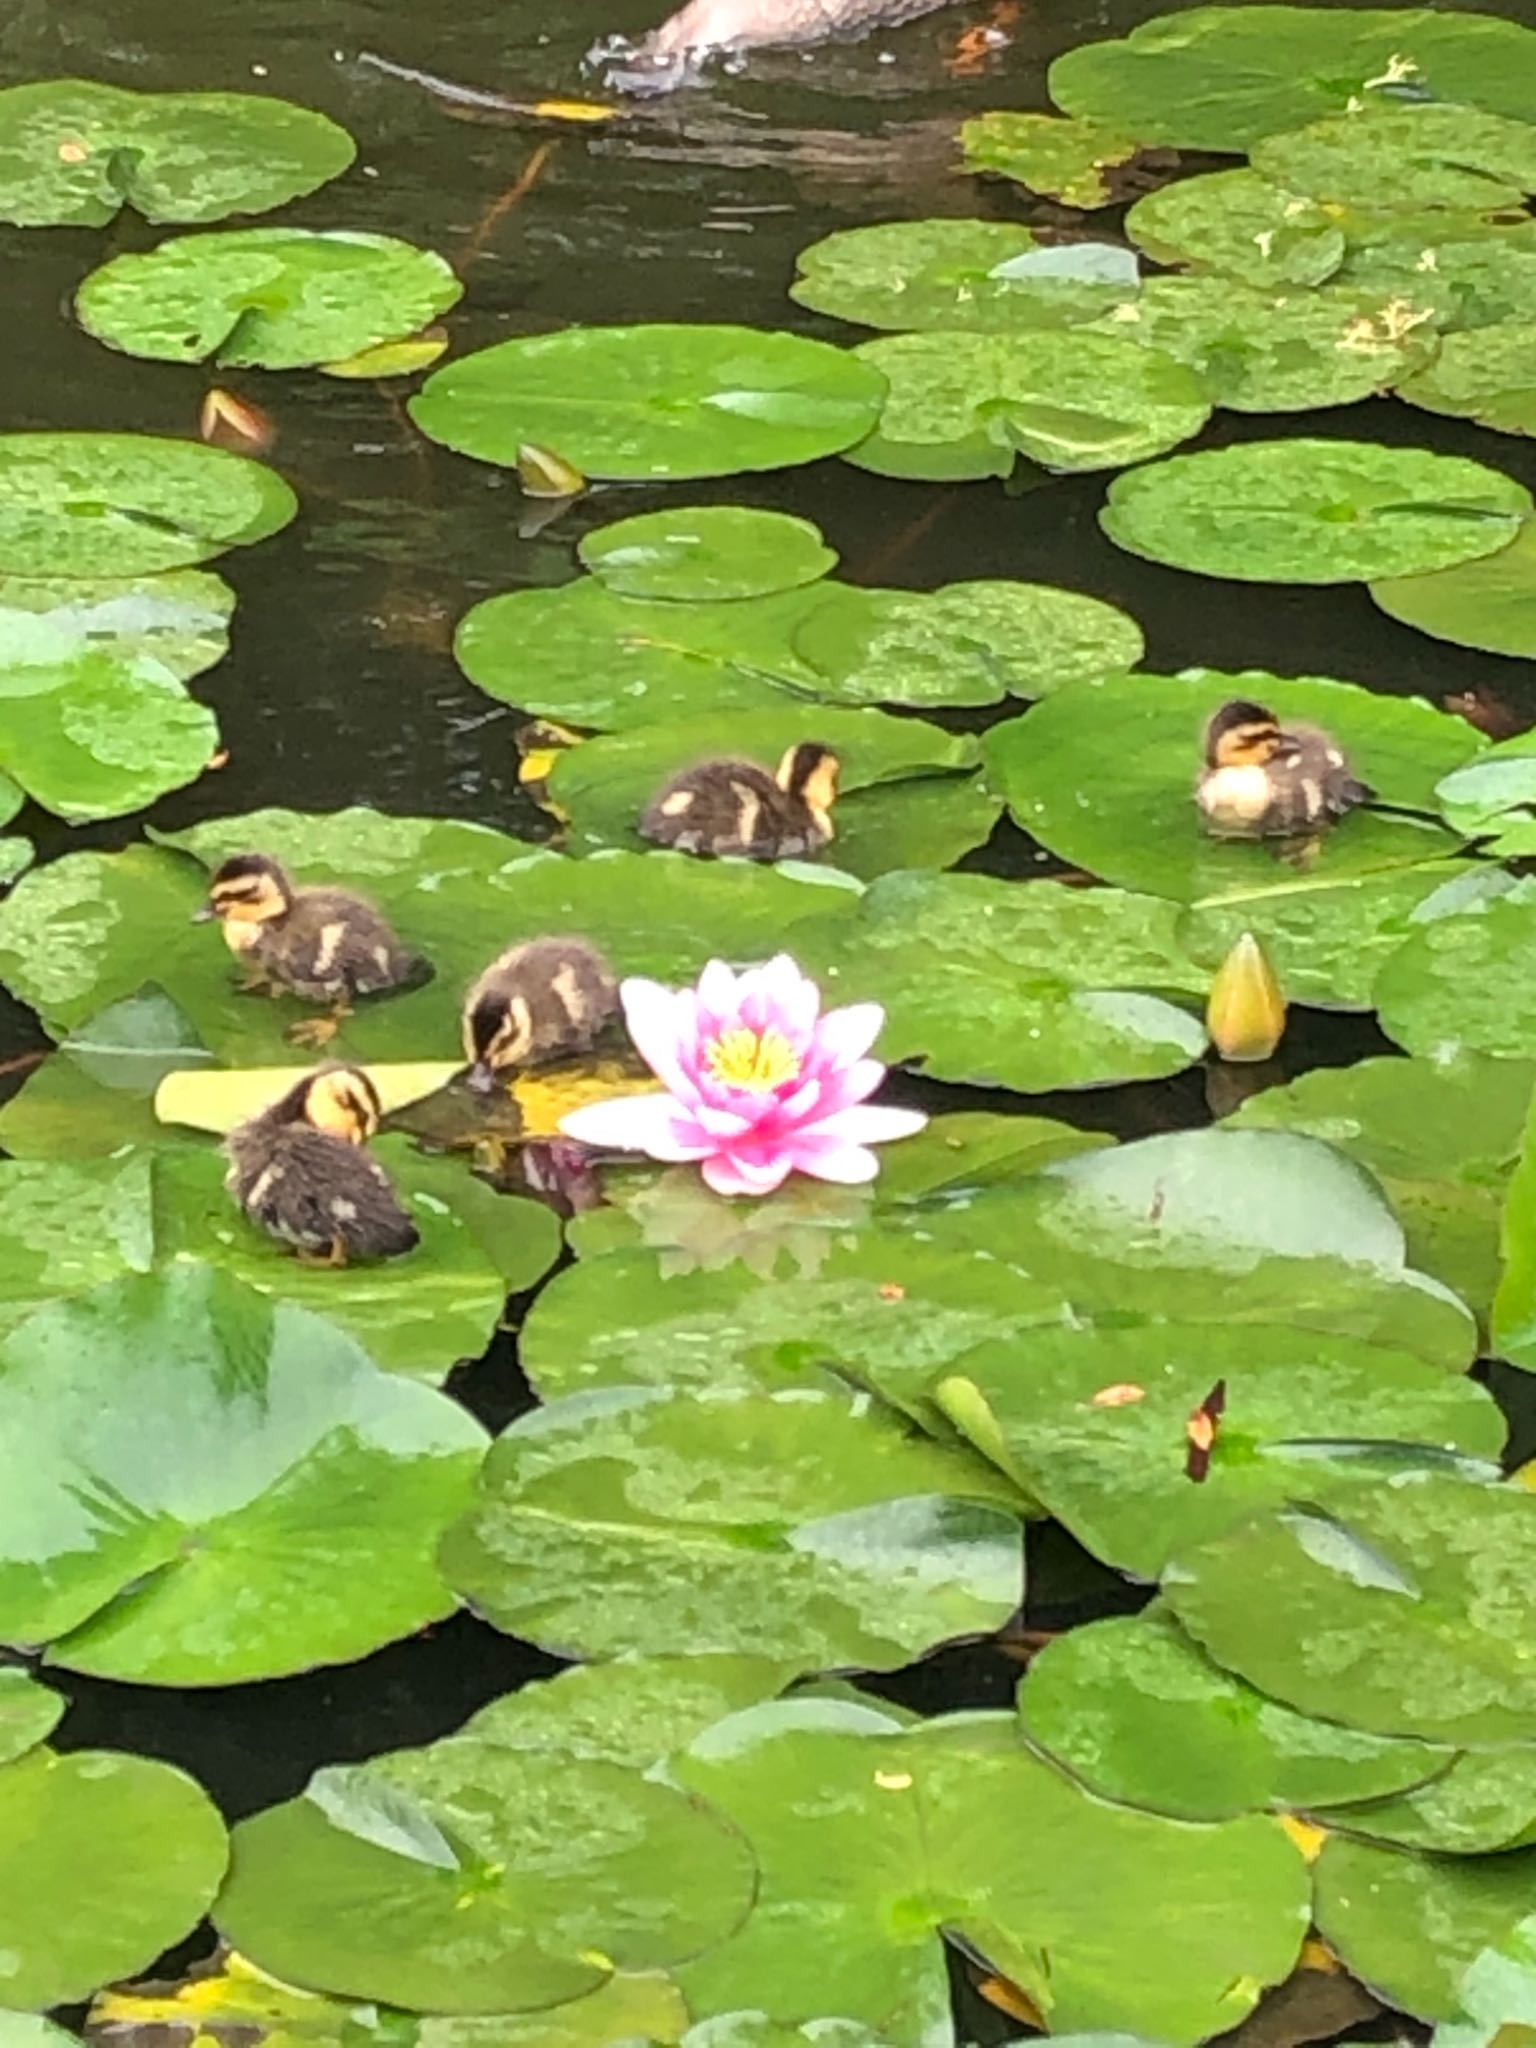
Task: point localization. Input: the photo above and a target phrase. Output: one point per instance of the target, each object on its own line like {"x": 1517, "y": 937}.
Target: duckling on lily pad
{"x": 299, "y": 1170}
{"x": 731, "y": 807}
{"x": 548, "y": 999}
{"x": 323, "y": 945}
{"x": 1265, "y": 780}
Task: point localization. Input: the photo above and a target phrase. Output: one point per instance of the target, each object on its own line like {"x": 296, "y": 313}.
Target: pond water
{"x": 340, "y": 687}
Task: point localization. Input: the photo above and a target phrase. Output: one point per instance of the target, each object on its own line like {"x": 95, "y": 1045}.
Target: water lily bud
{"x": 230, "y": 422}
{"x": 1245, "y": 1013}
{"x": 544, "y": 474}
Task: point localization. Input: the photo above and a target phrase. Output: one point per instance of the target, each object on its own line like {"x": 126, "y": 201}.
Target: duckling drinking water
{"x": 298, "y": 1169}
{"x": 1265, "y": 780}
{"x": 730, "y": 807}
{"x": 545, "y": 1000}
{"x": 323, "y": 945}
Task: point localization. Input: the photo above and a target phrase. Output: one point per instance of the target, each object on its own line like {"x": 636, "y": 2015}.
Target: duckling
{"x": 324, "y": 945}
{"x": 298, "y": 1169}
{"x": 728, "y": 806}
{"x": 545, "y": 1000}
{"x": 1265, "y": 780}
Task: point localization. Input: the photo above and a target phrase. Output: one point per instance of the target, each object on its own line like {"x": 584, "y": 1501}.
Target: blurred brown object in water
{"x": 1488, "y": 711}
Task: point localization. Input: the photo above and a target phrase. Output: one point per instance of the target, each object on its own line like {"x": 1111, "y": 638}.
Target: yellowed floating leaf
{"x": 1308, "y": 1838}
{"x": 392, "y": 358}
{"x": 545, "y": 1096}
{"x": 216, "y": 1099}
{"x": 574, "y": 110}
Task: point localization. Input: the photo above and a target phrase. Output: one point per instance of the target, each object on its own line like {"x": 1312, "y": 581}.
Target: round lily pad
{"x": 1136, "y": 823}
{"x": 1115, "y": 1472}
{"x": 1031, "y": 988}
{"x": 73, "y": 152}
{"x": 472, "y": 1877}
{"x": 1220, "y": 78}
{"x": 180, "y": 618}
{"x": 1464, "y": 983}
{"x": 871, "y": 1839}
{"x": 1487, "y": 376}
{"x": 660, "y": 401}
{"x": 708, "y": 552}
{"x": 1239, "y": 225}
{"x": 29, "y": 1713}
{"x": 124, "y": 504}
{"x": 1062, "y": 159}
{"x": 1136, "y": 1711}
{"x": 292, "y": 1479}
{"x": 1256, "y": 352}
{"x": 1409, "y": 1926}
{"x": 1484, "y": 1803}
{"x": 635, "y": 1710}
{"x": 1475, "y": 272}
{"x": 614, "y": 1521}
{"x": 959, "y": 276}
{"x": 1493, "y": 797}
{"x": 1489, "y": 603}
{"x": 265, "y": 298}
{"x": 1406, "y": 156}
{"x": 1305, "y": 511}
{"x": 1410, "y": 1604}
{"x": 105, "y": 1861}
{"x": 1067, "y": 401}
{"x": 968, "y": 643}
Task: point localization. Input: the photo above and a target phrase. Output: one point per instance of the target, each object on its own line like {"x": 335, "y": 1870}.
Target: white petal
{"x": 634, "y": 1123}
{"x": 869, "y": 1123}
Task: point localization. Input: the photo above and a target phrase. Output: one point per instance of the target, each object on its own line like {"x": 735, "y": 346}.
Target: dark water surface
{"x": 340, "y": 687}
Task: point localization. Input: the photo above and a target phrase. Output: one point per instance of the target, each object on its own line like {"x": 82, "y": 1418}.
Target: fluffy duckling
{"x": 726, "y": 807}
{"x": 299, "y": 1170}
{"x": 546, "y": 1000}
{"x": 1264, "y": 780}
{"x": 324, "y": 945}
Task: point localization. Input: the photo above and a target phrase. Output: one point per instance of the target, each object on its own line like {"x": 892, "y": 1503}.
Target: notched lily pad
{"x": 707, "y": 553}
{"x": 1489, "y": 603}
{"x": 1238, "y": 224}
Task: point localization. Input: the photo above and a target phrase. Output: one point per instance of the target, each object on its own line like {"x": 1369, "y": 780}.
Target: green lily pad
{"x": 29, "y": 1713}
{"x": 1068, "y": 401}
{"x": 1305, "y": 511}
{"x": 151, "y": 1210}
{"x": 963, "y": 460}
{"x": 1484, "y": 1803}
{"x": 1441, "y": 1137}
{"x": 470, "y": 1877}
{"x": 180, "y": 619}
{"x": 805, "y": 1527}
{"x": 1140, "y": 1715}
{"x": 1405, "y": 156}
{"x": 93, "y": 929}
{"x": 73, "y": 152}
{"x": 1031, "y": 988}
{"x": 1400, "y": 1608}
{"x": 958, "y": 276}
{"x": 265, "y": 298}
{"x": 1061, "y": 159}
{"x": 97, "y": 505}
{"x": 1137, "y": 824}
{"x": 31, "y": 2030}
{"x": 1514, "y": 1306}
{"x": 1485, "y": 376}
{"x": 1409, "y": 1926}
{"x": 16, "y": 856}
{"x": 1499, "y": 1987}
{"x": 1256, "y": 352}
{"x": 708, "y": 552}
{"x": 964, "y": 644}
{"x": 1221, "y": 78}
{"x": 870, "y": 1839}
{"x": 95, "y": 1092}
{"x": 1239, "y": 225}
{"x": 105, "y": 1861}
{"x": 1489, "y": 603}
{"x": 1461, "y": 984}
{"x": 636, "y": 1710}
{"x": 1114, "y": 1473}
{"x": 1494, "y": 797}
{"x": 604, "y": 785}
{"x": 661, "y": 401}
{"x": 292, "y": 1482}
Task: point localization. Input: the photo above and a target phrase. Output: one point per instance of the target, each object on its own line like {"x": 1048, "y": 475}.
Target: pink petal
{"x": 868, "y": 1123}
{"x": 720, "y": 1123}
{"x": 844, "y": 1086}
{"x": 730, "y": 1176}
{"x": 846, "y": 1035}
{"x": 825, "y": 1158}
{"x": 657, "y": 1019}
{"x": 637, "y": 1123}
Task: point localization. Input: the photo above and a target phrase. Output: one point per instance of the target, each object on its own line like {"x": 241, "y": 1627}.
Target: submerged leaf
{"x": 1063, "y": 159}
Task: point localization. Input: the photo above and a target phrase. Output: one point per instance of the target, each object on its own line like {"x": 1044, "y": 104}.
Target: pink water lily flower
{"x": 757, "y": 1083}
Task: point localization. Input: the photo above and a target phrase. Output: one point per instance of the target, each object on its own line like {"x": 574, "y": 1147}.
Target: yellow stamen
{"x": 747, "y": 1059}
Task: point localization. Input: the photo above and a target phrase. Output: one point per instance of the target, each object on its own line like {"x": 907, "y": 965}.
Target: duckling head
{"x": 1242, "y": 735}
{"x": 246, "y": 892}
{"x": 809, "y": 771}
{"x": 339, "y": 1100}
{"x": 498, "y": 1031}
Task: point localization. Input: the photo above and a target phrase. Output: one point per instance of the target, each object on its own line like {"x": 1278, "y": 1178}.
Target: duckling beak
{"x": 204, "y": 916}
{"x": 482, "y": 1078}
